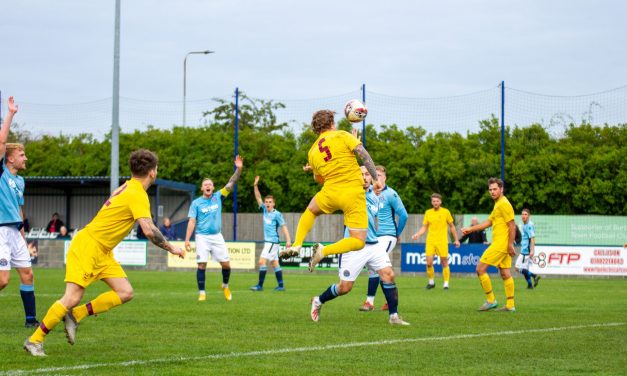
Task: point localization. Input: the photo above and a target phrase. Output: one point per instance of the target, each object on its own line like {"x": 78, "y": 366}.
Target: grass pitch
{"x": 566, "y": 326}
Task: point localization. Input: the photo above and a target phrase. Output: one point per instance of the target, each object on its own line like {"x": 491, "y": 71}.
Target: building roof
{"x": 98, "y": 181}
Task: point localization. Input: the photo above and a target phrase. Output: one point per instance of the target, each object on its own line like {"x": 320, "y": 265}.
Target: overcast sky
{"x": 61, "y": 52}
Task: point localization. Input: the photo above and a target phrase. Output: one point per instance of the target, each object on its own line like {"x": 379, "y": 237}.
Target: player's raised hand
{"x": 256, "y": 180}
{"x": 239, "y": 161}
{"x": 307, "y": 168}
{"x": 355, "y": 133}
{"x": 12, "y": 106}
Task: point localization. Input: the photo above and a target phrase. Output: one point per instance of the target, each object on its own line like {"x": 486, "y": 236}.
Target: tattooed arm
{"x": 239, "y": 164}
{"x": 369, "y": 164}
{"x": 156, "y": 237}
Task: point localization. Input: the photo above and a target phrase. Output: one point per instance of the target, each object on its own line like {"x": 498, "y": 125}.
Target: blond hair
{"x": 11, "y": 147}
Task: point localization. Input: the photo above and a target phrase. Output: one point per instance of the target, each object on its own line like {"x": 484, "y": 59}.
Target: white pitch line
{"x": 301, "y": 349}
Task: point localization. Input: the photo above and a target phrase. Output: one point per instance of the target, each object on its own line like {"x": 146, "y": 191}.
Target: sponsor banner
{"x": 461, "y": 260}
{"x": 570, "y": 229}
{"x": 129, "y": 253}
{"x": 302, "y": 260}
{"x": 241, "y": 255}
{"x": 580, "y": 260}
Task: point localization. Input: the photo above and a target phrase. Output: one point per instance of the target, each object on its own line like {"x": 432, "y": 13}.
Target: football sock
{"x": 27, "y": 292}
{"x": 430, "y": 274}
{"x": 329, "y": 294}
{"x": 373, "y": 285}
{"x": 446, "y": 273}
{"x": 486, "y": 284}
{"x": 391, "y": 296}
{"x": 262, "y": 274}
{"x": 226, "y": 274}
{"x": 509, "y": 292}
{"x": 53, "y": 317}
{"x": 305, "y": 223}
{"x": 200, "y": 279}
{"x": 526, "y": 273}
{"x": 101, "y": 304}
{"x": 343, "y": 246}
{"x": 278, "y": 272}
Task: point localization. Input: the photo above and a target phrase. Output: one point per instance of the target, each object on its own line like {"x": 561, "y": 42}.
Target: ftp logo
{"x": 563, "y": 258}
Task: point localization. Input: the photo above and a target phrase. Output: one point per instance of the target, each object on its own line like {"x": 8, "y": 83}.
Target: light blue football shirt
{"x": 528, "y": 232}
{"x": 372, "y": 206}
{"x": 272, "y": 221}
{"x": 208, "y": 213}
{"x": 11, "y": 196}
{"x": 391, "y": 205}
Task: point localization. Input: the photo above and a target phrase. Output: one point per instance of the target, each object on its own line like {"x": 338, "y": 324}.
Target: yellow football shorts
{"x": 88, "y": 261}
{"x": 439, "y": 249}
{"x": 350, "y": 200}
{"x": 498, "y": 258}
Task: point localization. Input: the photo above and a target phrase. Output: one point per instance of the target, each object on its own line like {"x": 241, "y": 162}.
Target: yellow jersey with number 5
{"x": 332, "y": 157}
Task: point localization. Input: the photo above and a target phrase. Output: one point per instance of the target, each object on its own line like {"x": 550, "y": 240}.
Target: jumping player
{"x": 332, "y": 160}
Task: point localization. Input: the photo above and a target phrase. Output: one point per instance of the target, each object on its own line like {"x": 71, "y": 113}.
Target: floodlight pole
{"x": 115, "y": 116}
{"x": 185, "y": 79}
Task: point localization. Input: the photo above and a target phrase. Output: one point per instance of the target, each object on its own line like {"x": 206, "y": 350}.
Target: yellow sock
{"x": 446, "y": 273}
{"x": 486, "y": 284}
{"x": 430, "y": 272}
{"x": 343, "y": 246}
{"x": 305, "y": 223}
{"x": 509, "y": 292}
{"x": 53, "y": 317}
{"x": 101, "y": 304}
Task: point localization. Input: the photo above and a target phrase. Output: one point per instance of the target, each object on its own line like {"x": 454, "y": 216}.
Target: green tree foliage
{"x": 584, "y": 171}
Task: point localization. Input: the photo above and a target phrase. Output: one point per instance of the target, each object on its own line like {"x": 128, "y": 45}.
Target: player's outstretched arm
{"x": 420, "y": 232}
{"x": 257, "y": 193}
{"x": 363, "y": 154}
{"x": 479, "y": 227}
{"x": 156, "y": 237}
{"x": 239, "y": 165}
{"x": 6, "y": 126}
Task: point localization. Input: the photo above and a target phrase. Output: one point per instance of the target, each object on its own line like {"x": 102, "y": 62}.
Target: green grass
{"x": 167, "y": 332}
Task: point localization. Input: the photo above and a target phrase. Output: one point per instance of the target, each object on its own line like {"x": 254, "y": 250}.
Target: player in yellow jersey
{"x": 90, "y": 256}
{"x": 332, "y": 160}
{"x": 436, "y": 221}
{"x": 501, "y": 251}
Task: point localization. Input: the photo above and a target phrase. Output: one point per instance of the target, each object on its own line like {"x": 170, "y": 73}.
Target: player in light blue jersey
{"x": 373, "y": 256}
{"x": 388, "y": 232}
{"x": 272, "y": 221}
{"x": 527, "y": 249}
{"x": 13, "y": 249}
{"x": 205, "y": 214}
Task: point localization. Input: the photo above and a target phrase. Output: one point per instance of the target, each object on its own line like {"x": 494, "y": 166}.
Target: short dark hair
{"x": 527, "y": 210}
{"x": 496, "y": 181}
{"x": 269, "y": 197}
{"x": 322, "y": 120}
{"x": 142, "y": 161}
{"x": 437, "y": 195}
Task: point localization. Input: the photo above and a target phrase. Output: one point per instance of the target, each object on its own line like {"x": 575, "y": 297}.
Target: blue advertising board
{"x": 461, "y": 260}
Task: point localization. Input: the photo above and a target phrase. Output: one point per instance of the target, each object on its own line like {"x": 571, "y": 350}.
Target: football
{"x": 355, "y": 111}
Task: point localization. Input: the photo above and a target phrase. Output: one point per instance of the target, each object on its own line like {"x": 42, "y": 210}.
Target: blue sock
{"x": 525, "y": 272}
{"x": 226, "y": 273}
{"x": 373, "y": 284}
{"x": 28, "y": 298}
{"x": 391, "y": 295}
{"x": 200, "y": 278}
{"x": 329, "y": 294}
{"x": 262, "y": 275}
{"x": 278, "y": 272}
